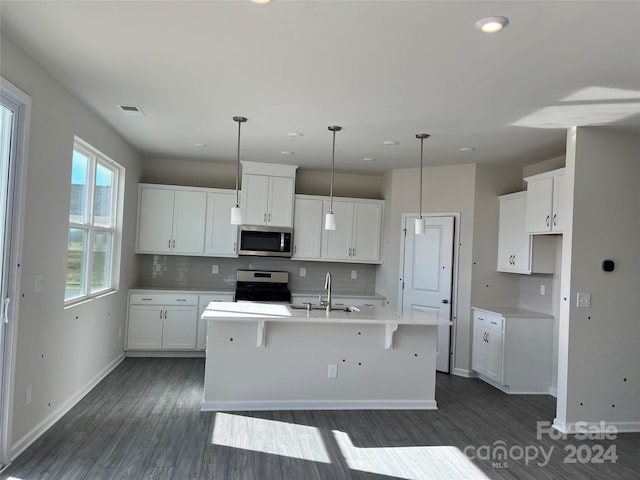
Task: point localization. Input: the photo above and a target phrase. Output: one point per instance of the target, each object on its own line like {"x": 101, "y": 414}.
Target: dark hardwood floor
{"x": 144, "y": 422}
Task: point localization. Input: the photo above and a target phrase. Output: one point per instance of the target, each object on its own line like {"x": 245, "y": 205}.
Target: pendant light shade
{"x": 330, "y": 218}
{"x": 419, "y": 224}
{"x": 236, "y": 212}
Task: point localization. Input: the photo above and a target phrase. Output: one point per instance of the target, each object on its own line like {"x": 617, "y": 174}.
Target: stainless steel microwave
{"x": 266, "y": 241}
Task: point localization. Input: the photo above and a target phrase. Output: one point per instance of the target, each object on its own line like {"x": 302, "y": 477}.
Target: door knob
{"x": 444, "y": 300}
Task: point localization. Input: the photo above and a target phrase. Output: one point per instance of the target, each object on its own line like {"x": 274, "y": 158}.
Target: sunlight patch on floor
{"x": 269, "y": 436}
{"x": 410, "y": 463}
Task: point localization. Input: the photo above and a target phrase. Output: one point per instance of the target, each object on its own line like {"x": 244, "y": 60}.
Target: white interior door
{"x": 14, "y": 119}
{"x": 427, "y": 273}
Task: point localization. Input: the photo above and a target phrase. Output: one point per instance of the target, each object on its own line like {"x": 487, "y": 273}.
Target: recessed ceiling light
{"x": 492, "y": 24}
{"x": 295, "y": 134}
{"x": 368, "y": 159}
{"x": 200, "y": 145}
{"x": 261, "y": 2}
{"x": 467, "y": 149}
{"x": 286, "y": 152}
{"x": 390, "y": 143}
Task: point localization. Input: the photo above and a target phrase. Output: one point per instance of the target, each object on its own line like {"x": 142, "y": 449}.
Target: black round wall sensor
{"x": 608, "y": 265}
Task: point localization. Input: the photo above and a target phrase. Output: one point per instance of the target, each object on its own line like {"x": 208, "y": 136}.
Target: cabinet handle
{"x": 169, "y": 244}
{"x": 174, "y": 244}
{"x": 349, "y": 252}
{"x": 555, "y": 219}
{"x": 494, "y": 323}
{"x": 514, "y": 260}
{"x": 147, "y": 299}
{"x": 354, "y": 252}
{"x": 547, "y": 220}
{"x": 295, "y": 248}
{"x": 181, "y": 299}
{"x": 264, "y": 217}
{"x": 161, "y": 313}
{"x": 165, "y": 313}
{"x": 235, "y": 247}
{"x": 269, "y": 217}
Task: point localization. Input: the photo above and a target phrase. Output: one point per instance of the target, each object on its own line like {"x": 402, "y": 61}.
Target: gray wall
{"x": 61, "y": 352}
{"x": 599, "y": 353}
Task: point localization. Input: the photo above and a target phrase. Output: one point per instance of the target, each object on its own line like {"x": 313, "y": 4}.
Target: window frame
{"x": 96, "y": 158}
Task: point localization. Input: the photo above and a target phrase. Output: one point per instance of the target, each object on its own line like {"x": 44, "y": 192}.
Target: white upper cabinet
{"x": 221, "y": 238}
{"x": 518, "y": 251}
{"x": 357, "y": 236}
{"x": 513, "y": 240}
{"x": 171, "y": 220}
{"x": 307, "y": 228}
{"x": 267, "y": 194}
{"x": 546, "y": 202}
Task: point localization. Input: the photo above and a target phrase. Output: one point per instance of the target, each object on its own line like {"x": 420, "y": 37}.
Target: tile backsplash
{"x": 173, "y": 271}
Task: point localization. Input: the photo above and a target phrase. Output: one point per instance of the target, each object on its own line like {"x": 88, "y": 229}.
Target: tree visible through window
{"x": 93, "y": 235}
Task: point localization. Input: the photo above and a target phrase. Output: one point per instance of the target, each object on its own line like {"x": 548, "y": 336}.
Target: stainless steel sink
{"x": 317, "y": 306}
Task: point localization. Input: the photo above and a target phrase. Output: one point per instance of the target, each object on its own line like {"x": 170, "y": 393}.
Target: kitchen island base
{"x": 317, "y": 363}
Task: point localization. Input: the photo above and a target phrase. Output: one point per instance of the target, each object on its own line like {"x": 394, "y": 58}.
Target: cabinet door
{"x": 144, "y": 331}
{"x": 559, "y": 203}
{"x": 521, "y": 247}
{"x": 307, "y": 229}
{"x": 479, "y": 352}
{"x": 280, "y": 212}
{"x": 336, "y": 244}
{"x": 539, "y": 203}
{"x": 221, "y": 237}
{"x": 179, "y": 328}
{"x": 189, "y": 217}
{"x": 255, "y": 195}
{"x": 495, "y": 348}
{"x": 367, "y": 225}
{"x": 155, "y": 220}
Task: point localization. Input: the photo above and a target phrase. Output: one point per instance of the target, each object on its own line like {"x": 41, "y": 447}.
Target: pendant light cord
{"x": 333, "y": 161}
{"x": 238, "y": 167}
{"x": 421, "y": 153}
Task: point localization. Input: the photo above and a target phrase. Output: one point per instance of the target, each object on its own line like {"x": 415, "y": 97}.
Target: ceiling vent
{"x": 132, "y": 110}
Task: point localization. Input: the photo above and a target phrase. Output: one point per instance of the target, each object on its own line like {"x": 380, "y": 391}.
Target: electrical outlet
{"x": 29, "y": 394}
{"x": 354, "y": 274}
{"x": 542, "y": 289}
{"x": 583, "y": 300}
{"x": 39, "y": 287}
{"x": 303, "y": 272}
{"x": 120, "y": 332}
{"x": 214, "y": 269}
{"x": 332, "y": 371}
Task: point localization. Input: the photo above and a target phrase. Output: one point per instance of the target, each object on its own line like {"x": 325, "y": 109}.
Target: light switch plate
{"x": 303, "y": 272}
{"x": 583, "y": 300}
{"x": 332, "y": 371}
{"x": 354, "y": 274}
{"x": 39, "y": 286}
{"x": 214, "y": 269}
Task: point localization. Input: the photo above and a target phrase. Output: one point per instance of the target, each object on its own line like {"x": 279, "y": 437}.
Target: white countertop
{"x": 513, "y": 312}
{"x": 232, "y": 311}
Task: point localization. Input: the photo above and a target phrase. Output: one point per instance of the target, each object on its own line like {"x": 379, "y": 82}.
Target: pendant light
{"x": 330, "y": 219}
{"x": 419, "y": 224}
{"x": 236, "y": 212}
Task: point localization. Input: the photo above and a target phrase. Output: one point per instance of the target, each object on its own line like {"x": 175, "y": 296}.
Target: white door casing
{"x": 426, "y": 275}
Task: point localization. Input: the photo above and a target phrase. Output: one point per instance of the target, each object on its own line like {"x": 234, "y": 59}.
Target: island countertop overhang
{"x": 270, "y": 312}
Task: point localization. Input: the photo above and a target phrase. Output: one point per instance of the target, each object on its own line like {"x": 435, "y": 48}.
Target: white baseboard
{"x": 166, "y": 353}
{"x": 268, "y": 405}
{"x": 572, "y": 428}
{"x": 22, "y": 444}
{"x": 461, "y": 372}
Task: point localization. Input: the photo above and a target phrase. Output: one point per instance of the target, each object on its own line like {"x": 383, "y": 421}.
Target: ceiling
{"x": 383, "y": 70}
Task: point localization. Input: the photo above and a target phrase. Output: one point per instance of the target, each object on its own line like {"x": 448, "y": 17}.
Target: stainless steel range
{"x": 262, "y": 286}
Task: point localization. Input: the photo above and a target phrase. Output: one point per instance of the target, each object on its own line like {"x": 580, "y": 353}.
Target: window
{"x": 94, "y": 238}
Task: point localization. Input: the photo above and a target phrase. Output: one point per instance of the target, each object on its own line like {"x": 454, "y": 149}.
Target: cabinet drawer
{"x": 221, "y": 297}
{"x": 162, "y": 299}
{"x": 488, "y": 321}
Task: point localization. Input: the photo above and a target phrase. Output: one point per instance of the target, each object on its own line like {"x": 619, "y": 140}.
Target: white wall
{"x": 599, "y": 351}
{"x": 61, "y": 352}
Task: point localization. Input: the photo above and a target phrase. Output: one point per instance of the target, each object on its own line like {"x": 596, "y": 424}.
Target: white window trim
{"x": 117, "y": 209}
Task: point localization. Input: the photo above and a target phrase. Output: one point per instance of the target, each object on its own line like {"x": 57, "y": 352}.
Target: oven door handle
{"x": 282, "y": 241}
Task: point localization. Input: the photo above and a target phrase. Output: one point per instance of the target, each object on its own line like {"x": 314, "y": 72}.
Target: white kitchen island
{"x": 264, "y": 356}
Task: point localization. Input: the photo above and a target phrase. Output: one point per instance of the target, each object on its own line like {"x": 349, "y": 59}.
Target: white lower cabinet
{"x": 162, "y": 321}
{"x": 512, "y": 349}
{"x": 201, "y": 338}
